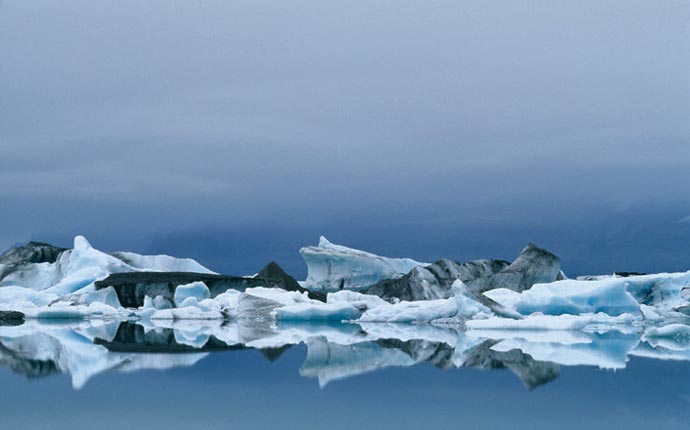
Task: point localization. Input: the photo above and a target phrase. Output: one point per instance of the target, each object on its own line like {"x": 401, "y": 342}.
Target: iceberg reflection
{"x": 84, "y": 349}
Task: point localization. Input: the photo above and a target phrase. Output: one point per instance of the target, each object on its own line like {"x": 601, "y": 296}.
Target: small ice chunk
{"x": 160, "y": 302}
{"x": 466, "y": 305}
{"x": 358, "y": 300}
{"x": 226, "y": 302}
{"x": 196, "y": 290}
{"x": 418, "y": 311}
{"x": 22, "y": 297}
{"x": 649, "y": 313}
{"x": 281, "y": 296}
{"x": 504, "y": 296}
{"x": 157, "y": 303}
{"x": 148, "y": 303}
{"x": 106, "y": 296}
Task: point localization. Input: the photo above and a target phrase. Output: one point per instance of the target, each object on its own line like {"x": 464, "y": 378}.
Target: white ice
{"x": 65, "y": 290}
{"x": 333, "y": 267}
{"x": 78, "y": 268}
{"x": 572, "y": 297}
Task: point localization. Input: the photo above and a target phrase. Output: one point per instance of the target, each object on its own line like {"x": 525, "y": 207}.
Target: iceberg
{"x": 434, "y": 281}
{"x": 61, "y": 271}
{"x": 409, "y": 312}
{"x": 573, "y": 297}
{"x": 664, "y": 291}
{"x": 190, "y": 294}
{"x": 333, "y": 267}
{"x": 43, "y": 282}
{"x": 534, "y": 265}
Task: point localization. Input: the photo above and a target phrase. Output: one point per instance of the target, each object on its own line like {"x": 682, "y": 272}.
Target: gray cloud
{"x": 250, "y": 113}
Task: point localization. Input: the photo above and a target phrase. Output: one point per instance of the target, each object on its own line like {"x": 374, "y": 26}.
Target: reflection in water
{"x": 334, "y": 351}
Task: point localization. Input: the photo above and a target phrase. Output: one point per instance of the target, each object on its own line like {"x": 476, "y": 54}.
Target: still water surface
{"x": 335, "y": 377}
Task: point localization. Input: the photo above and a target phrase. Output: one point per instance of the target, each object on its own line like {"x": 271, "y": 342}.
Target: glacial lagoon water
{"x": 338, "y": 376}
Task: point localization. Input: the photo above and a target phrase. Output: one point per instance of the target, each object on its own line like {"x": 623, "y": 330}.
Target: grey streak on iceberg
{"x": 133, "y": 287}
{"x": 32, "y": 252}
{"x": 534, "y": 265}
{"x": 435, "y": 280}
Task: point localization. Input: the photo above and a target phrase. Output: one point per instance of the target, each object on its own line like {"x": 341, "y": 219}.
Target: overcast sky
{"x": 138, "y": 122}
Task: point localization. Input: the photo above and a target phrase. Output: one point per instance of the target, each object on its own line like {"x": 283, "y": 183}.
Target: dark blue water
{"x": 242, "y": 389}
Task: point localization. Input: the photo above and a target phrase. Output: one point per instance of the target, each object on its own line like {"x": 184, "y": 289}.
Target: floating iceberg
{"x": 333, "y": 267}
{"x": 572, "y": 297}
{"x": 63, "y": 271}
{"x": 434, "y": 281}
{"x": 39, "y": 281}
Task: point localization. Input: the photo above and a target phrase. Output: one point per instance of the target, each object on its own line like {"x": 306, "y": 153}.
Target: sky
{"x": 236, "y": 132}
